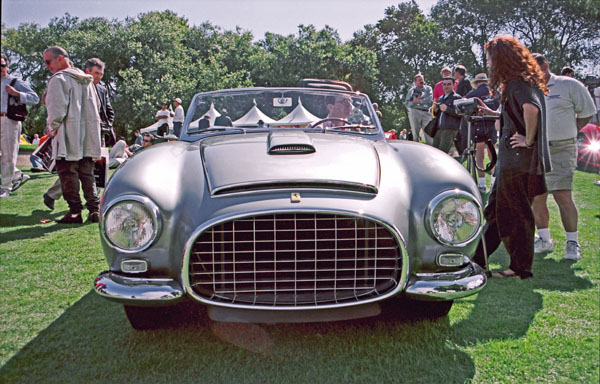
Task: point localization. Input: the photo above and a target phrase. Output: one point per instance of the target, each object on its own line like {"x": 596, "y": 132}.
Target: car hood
{"x": 289, "y": 159}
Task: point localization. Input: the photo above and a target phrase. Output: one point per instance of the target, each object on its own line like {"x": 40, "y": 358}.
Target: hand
{"x": 518, "y": 140}
{"x": 443, "y": 107}
{"x": 11, "y": 91}
{"x": 484, "y": 110}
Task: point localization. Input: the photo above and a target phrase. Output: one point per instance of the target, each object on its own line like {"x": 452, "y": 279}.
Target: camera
{"x": 466, "y": 107}
{"x": 591, "y": 81}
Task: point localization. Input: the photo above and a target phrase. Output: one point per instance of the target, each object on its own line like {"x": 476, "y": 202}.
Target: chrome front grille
{"x": 287, "y": 260}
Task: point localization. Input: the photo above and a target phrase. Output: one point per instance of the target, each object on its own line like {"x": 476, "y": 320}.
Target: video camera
{"x": 466, "y": 107}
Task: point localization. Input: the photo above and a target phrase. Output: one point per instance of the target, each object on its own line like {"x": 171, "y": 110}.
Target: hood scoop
{"x": 289, "y": 143}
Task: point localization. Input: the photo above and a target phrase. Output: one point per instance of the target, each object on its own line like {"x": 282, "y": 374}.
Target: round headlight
{"x": 131, "y": 223}
{"x": 455, "y": 217}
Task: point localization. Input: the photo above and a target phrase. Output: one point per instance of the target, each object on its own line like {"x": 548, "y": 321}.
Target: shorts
{"x": 563, "y": 157}
{"x": 481, "y": 132}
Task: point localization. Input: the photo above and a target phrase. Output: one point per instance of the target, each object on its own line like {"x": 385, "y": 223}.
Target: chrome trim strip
{"x": 447, "y": 285}
{"x": 156, "y": 218}
{"x": 190, "y": 243}
{"x": 137, "y": 289}
{"x": 447, "y": 195}
{"x": 311, "y": 185}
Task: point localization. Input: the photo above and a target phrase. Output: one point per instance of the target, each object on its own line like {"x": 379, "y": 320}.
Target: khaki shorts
{"x": 563, "y": 157}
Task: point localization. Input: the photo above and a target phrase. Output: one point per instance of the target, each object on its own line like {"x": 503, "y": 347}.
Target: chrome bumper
{"x": 446, "y": 286}
{"x": 137, "y": 289}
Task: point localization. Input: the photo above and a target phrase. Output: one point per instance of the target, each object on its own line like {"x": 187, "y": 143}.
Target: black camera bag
{"x": 14, "y": 109}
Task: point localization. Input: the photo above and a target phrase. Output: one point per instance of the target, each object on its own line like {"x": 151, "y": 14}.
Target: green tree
{"x": 406, "y": 42}
{"x": 467, "y": 25}
{"x": 567, "y": 32}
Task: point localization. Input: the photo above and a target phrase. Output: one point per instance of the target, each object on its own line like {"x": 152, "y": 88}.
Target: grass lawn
{"x": 54, "y": 329}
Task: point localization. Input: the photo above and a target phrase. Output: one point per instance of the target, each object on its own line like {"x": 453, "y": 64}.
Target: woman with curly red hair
{"x": 523, "y": 155}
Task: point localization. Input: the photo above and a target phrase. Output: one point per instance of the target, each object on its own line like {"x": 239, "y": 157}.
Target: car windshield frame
{"x": 362, "y": 120}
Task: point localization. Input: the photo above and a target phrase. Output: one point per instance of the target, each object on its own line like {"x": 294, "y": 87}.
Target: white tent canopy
{"x": 212, "y": 114}
{"x": 299, "y": 116}
{"x": 152, "y": 129}
{"x": 252, "y": 117}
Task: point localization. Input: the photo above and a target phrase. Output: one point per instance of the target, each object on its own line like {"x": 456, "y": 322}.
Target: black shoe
{"x": 70, "y": 218}
{"x": 48, "y": 201}
{"x": 93, "y": 217}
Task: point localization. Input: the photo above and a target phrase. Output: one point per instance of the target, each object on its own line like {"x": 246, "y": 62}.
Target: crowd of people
{"x": 432, "y": 112}
{"x": 79, "y": 123}
{"x": 539, "y": 113}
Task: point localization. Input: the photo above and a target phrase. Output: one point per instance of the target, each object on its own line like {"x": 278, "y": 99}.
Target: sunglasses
{"x": 3, "y": 65}
{"x": 48, "y": 61}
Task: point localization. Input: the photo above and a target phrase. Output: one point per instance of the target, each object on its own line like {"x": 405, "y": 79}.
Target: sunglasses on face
{"x": 3, "y": 65}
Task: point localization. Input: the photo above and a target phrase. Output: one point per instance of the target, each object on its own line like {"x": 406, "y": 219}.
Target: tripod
{"x": 469, "y": 153}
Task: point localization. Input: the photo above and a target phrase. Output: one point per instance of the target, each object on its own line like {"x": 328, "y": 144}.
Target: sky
{"x": 259, "y": 16}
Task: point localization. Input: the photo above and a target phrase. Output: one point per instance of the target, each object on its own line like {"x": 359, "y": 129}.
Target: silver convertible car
{"x": 288, "y": 205}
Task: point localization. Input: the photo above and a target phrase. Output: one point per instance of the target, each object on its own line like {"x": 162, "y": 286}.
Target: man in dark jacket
{"x": 464, "y": 86}
{"x": 449, "y": 121}
{"x": 95, "y": 67}
{"x": 224, "y": 120}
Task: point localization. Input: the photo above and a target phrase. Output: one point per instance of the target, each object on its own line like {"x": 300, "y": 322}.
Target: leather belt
{"x": 3, "y": 114}
{"x": 555, "y": 143}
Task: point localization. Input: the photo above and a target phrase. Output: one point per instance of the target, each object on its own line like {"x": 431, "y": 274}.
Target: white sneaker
{"x": 572, "y": 250}
{"x": 482, "y": 189}
{"x": 4, "y": 193}
{"x": 542, "y": 246}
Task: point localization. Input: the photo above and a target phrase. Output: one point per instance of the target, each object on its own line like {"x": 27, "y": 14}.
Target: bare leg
{"x": 540, "y": 211}
{"x": 568, "y": 210}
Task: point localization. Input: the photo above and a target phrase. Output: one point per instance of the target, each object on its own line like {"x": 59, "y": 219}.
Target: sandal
{"x": 509, "y": 273}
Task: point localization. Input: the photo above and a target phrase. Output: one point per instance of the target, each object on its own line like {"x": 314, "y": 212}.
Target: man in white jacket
{"x": 10, "y": 130}
{"x": 74, "y": 122}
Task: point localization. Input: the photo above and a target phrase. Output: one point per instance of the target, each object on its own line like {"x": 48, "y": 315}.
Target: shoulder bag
{"x": 14, "y": 109}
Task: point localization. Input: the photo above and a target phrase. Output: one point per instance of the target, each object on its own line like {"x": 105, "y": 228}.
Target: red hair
{"x": 511, "y": 60}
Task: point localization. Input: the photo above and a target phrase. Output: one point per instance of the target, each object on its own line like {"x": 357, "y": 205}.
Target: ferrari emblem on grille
{"x": 295, "y": 197}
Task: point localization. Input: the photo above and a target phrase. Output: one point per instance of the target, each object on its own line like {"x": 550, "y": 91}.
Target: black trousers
{"x": 510, "y": 219}
{"x": 70, "y": 174}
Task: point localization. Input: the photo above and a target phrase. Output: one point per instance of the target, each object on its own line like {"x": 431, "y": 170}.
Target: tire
{"x": 146, "y": 318}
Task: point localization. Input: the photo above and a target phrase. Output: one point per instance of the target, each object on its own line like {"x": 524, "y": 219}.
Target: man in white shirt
{"x": 569, "y": 107}
{"x": 178, "y": 118}
{"x": 163, "y": 115}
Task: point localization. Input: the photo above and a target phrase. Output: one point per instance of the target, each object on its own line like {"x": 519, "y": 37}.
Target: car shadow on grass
{"x": 92, "y": 342}
{"x": 506, "y": 308}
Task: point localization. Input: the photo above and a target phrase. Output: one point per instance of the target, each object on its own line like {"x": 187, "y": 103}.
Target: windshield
{"x": 243, "y": 110}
